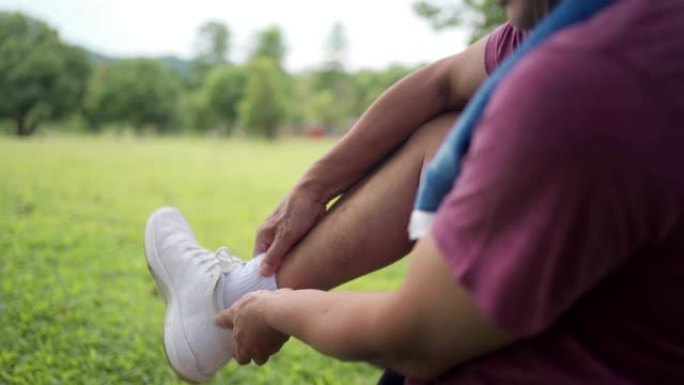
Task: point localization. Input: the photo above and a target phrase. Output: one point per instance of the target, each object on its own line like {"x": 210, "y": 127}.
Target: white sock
{"x": 245, "y": 279}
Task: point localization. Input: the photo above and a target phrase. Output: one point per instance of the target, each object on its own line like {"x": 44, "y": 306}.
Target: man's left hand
{"x": 253, "y": 339}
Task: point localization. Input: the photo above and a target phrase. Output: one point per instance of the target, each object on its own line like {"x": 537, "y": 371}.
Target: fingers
{"x": 274, "y": 256}
{"x": 244, "y": 356}
{"x": 260, "y": 360}
{"x": 264, "y": 238}
{"x": 267, "y": 230}
{"x": 241, "y": 355}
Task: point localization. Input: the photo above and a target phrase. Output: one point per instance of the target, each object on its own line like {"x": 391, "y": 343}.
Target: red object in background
{"x": 315, "y": 132}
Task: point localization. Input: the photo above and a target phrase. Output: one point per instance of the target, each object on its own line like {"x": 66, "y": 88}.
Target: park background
{"x": 91, "y": 143}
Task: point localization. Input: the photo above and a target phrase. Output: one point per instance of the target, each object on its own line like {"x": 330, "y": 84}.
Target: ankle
{"x": 245, "y": 279}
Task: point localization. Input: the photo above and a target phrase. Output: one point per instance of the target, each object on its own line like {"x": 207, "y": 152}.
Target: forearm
{"x": 388, "y": 122}
{"x": 339, "y": 324}
{"x": 352, "y": 326}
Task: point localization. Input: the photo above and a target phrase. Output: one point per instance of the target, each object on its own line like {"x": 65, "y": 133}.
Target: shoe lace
{"x": 227, "y": 261}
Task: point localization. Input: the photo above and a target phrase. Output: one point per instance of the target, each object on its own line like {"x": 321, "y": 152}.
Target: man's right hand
{"x": 294, "y": 217}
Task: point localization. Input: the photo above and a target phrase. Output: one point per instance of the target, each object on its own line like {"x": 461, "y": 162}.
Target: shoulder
{"x": 500, "y": 43}
{"x": 561, "y": 95}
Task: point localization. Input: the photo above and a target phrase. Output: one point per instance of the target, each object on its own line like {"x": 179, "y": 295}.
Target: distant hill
{"x": 178, "y": 65}
{"x": 97, "y": 58}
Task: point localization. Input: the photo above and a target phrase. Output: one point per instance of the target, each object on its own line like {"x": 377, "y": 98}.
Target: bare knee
{"x": 427, "y": 139}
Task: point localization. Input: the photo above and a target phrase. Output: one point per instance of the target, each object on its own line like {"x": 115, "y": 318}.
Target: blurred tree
{"x": 224, "y": 88}
{"x": 270, "y": 44}
{"x": 93, "y": 114}
{"x": 263, "y": 108}
{"x": 302, "y": 91}
{"x": 214, "y": 43}
{"x": 336, "y": 47}
{"x": 481, "y": 16}
{"x": 213, "y": 49}
{"x": 332, "y": 82}
{"x": 368, "y": 85}
{"x": 324, "y": 110}
{"x": 333, "y": 97}
{"x": 40, "y": 77}
{"x": 198, "y": 113}
{"x": 137, "y": 92}
{"x": 317, "y": 103}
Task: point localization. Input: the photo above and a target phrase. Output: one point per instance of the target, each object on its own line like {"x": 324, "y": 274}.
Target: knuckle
{"x": 263, "y": 232}
{"x": 285, "y": 232}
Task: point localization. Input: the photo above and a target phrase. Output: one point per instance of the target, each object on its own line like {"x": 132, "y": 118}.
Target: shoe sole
{"x": 172, "y": 344}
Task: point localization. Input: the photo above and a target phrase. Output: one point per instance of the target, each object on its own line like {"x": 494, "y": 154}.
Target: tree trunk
{"x": 23, "y": 128}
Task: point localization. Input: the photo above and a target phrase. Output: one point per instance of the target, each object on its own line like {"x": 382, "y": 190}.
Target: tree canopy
{"x": 213, "y": 47}
{"x": 263, "y": 108}
{"x": 214, "y": 43}
{"x": 480, "y": 16}
{"x": 41, "y": 78}
{"x": 271, "y": 45}
{"x": 138, "y": 92}
{"x": 225, "y": 88}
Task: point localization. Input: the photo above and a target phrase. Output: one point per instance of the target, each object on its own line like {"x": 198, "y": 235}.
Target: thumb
{"x": 264, "y": 238}
{"x": 224, "y": 319}
{"x": 274, "y": 256}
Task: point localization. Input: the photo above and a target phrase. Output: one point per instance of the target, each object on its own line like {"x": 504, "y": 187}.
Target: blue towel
{"x": 441, "y": 173}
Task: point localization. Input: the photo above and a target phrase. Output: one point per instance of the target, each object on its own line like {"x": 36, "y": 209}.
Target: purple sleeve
{"x": 538, "y": 216}
{"x": 501, "y": 42}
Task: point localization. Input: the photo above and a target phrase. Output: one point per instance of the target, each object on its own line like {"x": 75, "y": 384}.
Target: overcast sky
{"x": 380, "y": 32}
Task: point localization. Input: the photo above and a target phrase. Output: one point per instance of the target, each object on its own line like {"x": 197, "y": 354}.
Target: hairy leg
{"x": 366, "y": 229}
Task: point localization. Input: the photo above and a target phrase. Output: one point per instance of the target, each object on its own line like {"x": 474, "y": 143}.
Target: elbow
{"x": 404, "y": 350}
{"x": 417, "y": 366}
{"x": 420, "y": 370}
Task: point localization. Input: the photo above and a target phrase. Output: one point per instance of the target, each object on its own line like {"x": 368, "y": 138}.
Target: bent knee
{"x": 428, "y": 137}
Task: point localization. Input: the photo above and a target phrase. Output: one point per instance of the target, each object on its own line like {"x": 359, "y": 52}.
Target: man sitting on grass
{"x": 556, "y": 255}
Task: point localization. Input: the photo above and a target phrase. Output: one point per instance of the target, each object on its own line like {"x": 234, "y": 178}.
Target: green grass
{"x": 77, "y": 304}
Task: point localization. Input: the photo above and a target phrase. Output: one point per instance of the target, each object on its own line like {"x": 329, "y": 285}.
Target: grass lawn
{"x": 77, "y": 305}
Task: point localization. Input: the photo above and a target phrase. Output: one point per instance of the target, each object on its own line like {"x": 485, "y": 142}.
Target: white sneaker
{"x": 187, "y": 277}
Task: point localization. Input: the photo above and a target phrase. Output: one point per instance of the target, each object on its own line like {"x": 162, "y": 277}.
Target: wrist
{"x": 272, "y": 311}
{"x": 316, "y": 184}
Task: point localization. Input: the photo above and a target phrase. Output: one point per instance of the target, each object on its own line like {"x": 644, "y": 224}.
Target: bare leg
{"x": 367, "y": 228}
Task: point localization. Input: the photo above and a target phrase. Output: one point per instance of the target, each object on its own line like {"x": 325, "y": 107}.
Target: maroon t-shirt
{"x": 567, "y": 222}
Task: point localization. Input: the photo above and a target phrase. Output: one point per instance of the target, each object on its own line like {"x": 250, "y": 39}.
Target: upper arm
{"x": 466, "y": 72}
{"x": 435, "y": 324}
{"x": 470, "y": 68}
